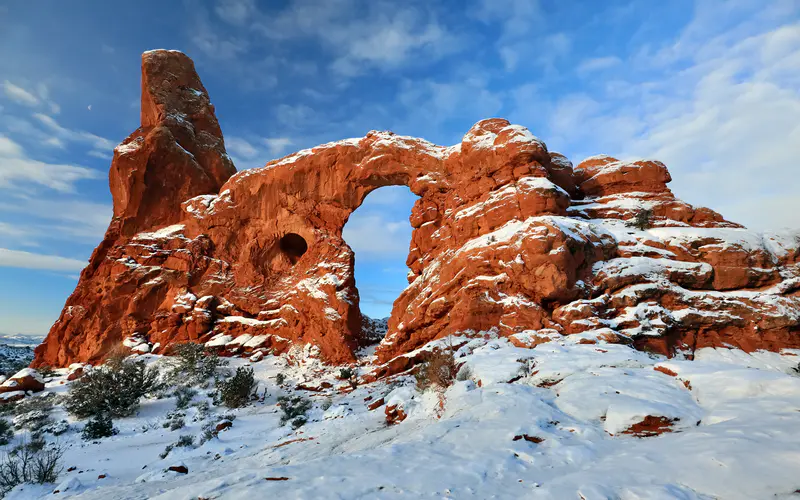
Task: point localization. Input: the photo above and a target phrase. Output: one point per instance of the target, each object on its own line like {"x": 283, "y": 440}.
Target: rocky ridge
{"x": 509, "y": 238}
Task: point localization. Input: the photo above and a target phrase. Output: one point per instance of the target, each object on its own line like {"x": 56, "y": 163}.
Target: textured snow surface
{"x": 735, "y": 434}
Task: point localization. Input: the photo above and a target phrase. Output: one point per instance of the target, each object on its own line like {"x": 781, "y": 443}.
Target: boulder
{"x": 25, "y": 380}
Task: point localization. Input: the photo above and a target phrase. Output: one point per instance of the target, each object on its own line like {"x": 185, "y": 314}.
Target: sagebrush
{"x": 440, "y": 370}
{"x": 192, "y": 364}
{"x": 112, "y": 390}
{"x": 237, "y": 390}
{"x": 294, "y": 409}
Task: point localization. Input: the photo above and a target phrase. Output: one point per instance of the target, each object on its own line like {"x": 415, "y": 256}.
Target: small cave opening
{"x": 293, "y": 246}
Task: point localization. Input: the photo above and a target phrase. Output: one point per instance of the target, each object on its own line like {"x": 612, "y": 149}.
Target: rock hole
{"x": 293, "y": 246}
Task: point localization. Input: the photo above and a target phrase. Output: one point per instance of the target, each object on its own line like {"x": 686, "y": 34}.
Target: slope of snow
{"x": 735, "y": 436}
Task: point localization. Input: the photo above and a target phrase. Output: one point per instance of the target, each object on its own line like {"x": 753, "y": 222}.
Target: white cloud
{"x": 248, "y": 154}
{"x": 61, "y": 219}
{"x": 16, "y": 168}
{"x": 101, "y": 147}
{"x": 20, "y": 95}
{"x": 598, "y": 64}
{"x": 9, "y": 148}
{"x": 240, "y": 147}
{"x": 103, "y": 155}
{"x": 28, "y": 260}
{"x": 720, "y": 111}
{"x": 236, "y": 12}
{"x": 37, "y": 98}
{"x": 278, "y": 145}
{"x": 384, "y": 36}
{"x": 211, "y": 39}
{"x": 376, "y": 236}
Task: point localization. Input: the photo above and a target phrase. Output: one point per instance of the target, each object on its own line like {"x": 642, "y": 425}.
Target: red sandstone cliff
{"x": 508, "y": 237}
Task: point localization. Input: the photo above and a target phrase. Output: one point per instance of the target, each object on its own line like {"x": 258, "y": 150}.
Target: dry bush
{"x": 440, "y": 370}
{"x": 28, "y": 464}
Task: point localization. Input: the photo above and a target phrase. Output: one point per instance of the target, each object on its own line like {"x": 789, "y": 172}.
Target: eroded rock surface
{"x": 508, "y": 237}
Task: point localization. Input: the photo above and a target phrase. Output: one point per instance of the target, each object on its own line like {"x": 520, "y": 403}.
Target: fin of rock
{"x": 508, "y": 239}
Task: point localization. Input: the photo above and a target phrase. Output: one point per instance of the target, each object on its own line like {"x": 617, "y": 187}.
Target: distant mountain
{"x": 20, "y": 340}
{"x": 16, "y": 352}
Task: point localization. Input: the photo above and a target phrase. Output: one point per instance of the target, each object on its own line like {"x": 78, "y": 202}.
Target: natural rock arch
{"x": 197, "y": 253}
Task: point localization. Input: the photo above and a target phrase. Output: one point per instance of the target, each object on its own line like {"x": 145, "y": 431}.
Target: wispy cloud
{"x": 28, "y": 260}
{"x": 394, "y": 235}
{"x": 16, "y": 168}
{"x": 30, "y": 98}
{"x": 384, "y": 36}
{"x": 255, "y": 152}
{"x": 101, "y": 146}
{"x": 598, "y": 64}
{"x": 20, "y": 95}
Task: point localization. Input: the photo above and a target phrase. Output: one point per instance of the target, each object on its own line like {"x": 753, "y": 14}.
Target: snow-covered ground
{"x": 527, "y": 423}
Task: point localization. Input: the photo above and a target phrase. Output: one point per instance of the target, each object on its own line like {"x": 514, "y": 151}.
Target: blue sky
{"x": 710, "y": 87}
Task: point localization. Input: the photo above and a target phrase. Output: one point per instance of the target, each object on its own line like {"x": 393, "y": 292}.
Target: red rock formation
{"x": 508, "y": 238}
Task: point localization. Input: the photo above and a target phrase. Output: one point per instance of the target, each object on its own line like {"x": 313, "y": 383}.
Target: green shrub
{"x": 28, "y": 465}
{"x": 100, "y": 426}
{"x": 642, "y": 220}
{"x": 6, "y": 432}
{"x": 46, "y": 371}
{"x": 238, "y": 390}
{"x": 33, "y": 413}
{"x": 192, "y": 364}
{"x": 185, "y": 441}
{"x": 112, "y": 390}
{"x": 175, "y": 420}
{"x": 280, "y": 378}
{"x": 294, "y": 409}
{"x": 183, "y": 397}
{"x": 350, "y": 375}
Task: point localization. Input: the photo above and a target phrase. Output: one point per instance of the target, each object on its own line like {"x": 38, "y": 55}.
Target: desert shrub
{"x": 6, "y": 432}
{"x": 183, "y": 397}
{"x": 100, "y": 426}
{"x": 440, "y": 370}
{"x": 112, "y": 390}
{"x": 192, "y": 364}
{"x": 464, "y": 373}
{"x": 174, "y": 421}
{"x": 57, "y": 428}
{"x": 350, "y": 375}
{"x": 280, "y": 378}
{"x": 46, "y": 371}
{"x": 33, "y": 413}
{"x": 642, "y": 220}
{"x": 238, "y": 390}
{"x": 294, "y": 409}
{"x": 28, "y": 465}
{"x": 185, "y": 441}
{"x": 527, "y": 366}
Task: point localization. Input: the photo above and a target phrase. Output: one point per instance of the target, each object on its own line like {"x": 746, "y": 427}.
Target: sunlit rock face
{"x": 508, "y": 237}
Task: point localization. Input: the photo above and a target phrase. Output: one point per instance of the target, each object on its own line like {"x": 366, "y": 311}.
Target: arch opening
{"x": 293, "y": 246}
{"x": 379, "y": 233}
